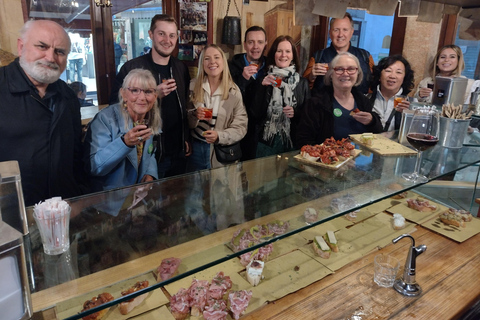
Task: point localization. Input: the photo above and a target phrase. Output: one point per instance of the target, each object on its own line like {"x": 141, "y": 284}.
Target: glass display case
{"x": 15, "y": 299}
{"x": 123, "y": 233}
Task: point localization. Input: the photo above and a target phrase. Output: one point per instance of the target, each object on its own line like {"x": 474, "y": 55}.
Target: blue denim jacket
{"x": 110, "y": 163}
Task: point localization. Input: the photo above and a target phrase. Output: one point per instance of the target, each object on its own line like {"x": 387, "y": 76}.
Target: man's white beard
{"x": 39, "y": 73}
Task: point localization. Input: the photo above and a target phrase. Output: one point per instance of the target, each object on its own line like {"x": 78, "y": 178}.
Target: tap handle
{"x": 405, "y": 235}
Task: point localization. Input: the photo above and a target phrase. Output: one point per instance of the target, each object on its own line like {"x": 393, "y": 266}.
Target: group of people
{"x": 160, "y": 123}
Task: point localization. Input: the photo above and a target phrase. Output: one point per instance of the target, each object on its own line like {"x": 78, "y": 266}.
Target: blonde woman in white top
{"x": 214, "y": 89}
{"x": 448, "y": 62}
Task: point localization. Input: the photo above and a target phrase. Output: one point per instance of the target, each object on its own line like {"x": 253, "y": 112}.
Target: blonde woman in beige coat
{"x": 216, "y": 112}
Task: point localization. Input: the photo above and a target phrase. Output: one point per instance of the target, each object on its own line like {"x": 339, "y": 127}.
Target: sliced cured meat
{"x": 239, "y": 301}
{"x": 180, "y": 304}
{"x": 258, "y": 254}
{"x": 216, "y": 311}
{"x": 198, "y": 296}
{"x": 343, "y": 203}
{"x": 278, "y": 227}
{"x": 421, "y": 205}
{"x": 219, "y": 286}
{"x": 168, "y": 268}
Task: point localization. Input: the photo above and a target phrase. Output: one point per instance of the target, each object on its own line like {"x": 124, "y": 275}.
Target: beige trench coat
{"x": 232, "y": 120}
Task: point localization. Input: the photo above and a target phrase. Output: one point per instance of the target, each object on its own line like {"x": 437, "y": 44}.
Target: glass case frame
{"x": 178, "y": 211}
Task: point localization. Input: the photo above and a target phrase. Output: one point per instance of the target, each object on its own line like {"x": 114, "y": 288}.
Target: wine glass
{"x": 422, "y": 135}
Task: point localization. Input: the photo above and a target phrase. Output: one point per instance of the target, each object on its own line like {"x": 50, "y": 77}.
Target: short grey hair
{"x": 328, "y": 76}
{"x": 31, "y": 23}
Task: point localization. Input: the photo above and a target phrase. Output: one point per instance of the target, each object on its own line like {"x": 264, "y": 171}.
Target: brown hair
{"x": 252, "y": 29}
{"x": 274, "y": 47}
{"x": 162, "y": 17}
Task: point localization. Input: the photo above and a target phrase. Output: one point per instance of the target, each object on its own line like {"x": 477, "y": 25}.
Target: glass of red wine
{"x": 422, "y": 135}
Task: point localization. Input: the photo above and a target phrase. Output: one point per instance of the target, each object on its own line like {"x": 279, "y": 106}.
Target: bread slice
{"x": 321, "y": 247}
{"x": 331, "y": 240}
{"x": 452, "y": 217}
{"x": 367, "y": 138}
{"x": 94, "y": 302}
{"x": 126, "y": 307}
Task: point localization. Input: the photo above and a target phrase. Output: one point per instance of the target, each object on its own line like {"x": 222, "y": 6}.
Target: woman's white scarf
{"x": 277, "y": 122}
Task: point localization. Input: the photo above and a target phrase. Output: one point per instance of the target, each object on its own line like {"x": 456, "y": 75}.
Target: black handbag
{"x": 232, "y": 28}
{"x": 229, "y": 153}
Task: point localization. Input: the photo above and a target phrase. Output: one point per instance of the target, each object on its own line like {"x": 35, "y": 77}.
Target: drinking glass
{"x": 399, "y": 99}
{"x": 422, "y": 135}
{"x": 163, "y": 79}
{"x": 385, "y": 270}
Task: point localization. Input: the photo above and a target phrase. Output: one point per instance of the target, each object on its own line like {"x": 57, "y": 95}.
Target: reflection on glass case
{"x": 123, "y": 235}
{"x": 12, "y": 205}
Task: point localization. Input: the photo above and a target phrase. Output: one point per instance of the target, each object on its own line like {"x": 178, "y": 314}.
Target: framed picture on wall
{"x": 196, "y": 28}
{"x": 193, "y": 16}
{"x": 185, "y": 52}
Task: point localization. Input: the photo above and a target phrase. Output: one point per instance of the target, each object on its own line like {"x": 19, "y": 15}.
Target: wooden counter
{"x": 448, "y": 272}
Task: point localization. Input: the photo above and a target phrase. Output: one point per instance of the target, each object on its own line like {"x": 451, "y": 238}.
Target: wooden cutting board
{"x": 384, "y": 146}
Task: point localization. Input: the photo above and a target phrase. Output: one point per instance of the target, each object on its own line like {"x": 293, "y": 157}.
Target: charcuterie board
{"x": 333, "y": 166}
{"x": 383, "y": 146}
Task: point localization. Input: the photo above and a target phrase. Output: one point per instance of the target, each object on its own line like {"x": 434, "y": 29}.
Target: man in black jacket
{"x": 341, "y": 32}
{"x": 173, "y": 85}
{"x": 40, "y": 124}
{"x": 245, "y": 68}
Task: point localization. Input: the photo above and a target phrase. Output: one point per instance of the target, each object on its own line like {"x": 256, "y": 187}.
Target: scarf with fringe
{"x": 277, "y": 122}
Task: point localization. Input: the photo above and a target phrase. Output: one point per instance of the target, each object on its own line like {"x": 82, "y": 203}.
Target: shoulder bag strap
{"x": 387, "y": 124}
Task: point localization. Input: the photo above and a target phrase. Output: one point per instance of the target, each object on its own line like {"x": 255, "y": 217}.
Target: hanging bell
{"x": 231, "y": 32}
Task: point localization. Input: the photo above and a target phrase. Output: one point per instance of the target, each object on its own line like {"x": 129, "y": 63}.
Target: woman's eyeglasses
{"x": 137, "y": 91}
{"x": 350, "y": 70}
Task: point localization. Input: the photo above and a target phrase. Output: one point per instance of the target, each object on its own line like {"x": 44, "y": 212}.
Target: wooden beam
{"x": 103, "y": 41}
{"x": 398, "y": 34}
{"x": 319, "y": 36}
{"x": 448, "y": 30}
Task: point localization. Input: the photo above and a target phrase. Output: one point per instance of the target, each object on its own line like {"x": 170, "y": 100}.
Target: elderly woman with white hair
{"x": 119, "y": 148}
{"x": 339, "y": 108}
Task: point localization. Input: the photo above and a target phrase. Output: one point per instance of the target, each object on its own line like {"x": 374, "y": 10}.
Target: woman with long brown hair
{"x": 279, "y": 99}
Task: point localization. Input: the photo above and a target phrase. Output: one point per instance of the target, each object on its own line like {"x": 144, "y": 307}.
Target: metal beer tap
{"x": 407, "y": 284}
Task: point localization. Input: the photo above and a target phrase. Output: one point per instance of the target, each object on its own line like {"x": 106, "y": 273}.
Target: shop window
{"x": 370, "y": 33}
{"x": 471, "y": 53}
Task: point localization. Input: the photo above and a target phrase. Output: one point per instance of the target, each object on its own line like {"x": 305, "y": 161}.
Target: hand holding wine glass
{"x": 422, "y": 135}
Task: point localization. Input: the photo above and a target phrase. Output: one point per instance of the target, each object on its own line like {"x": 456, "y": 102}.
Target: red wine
{"x": 422, "y": 141}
